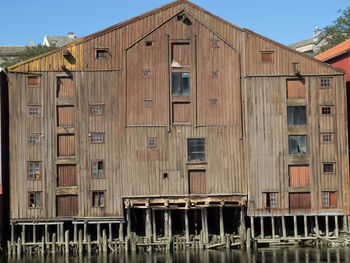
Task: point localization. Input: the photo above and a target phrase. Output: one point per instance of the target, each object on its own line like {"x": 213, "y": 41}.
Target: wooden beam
{"x": 46, "y": 234}
{"x": 98, "y": 225}
{"x": 12, "y": 234}
{"x": 110, "y": 232}
{"x": 204, "y": 213}
{"x": 75, "y": 233}
{"x": 305, "y": 226}
{"x": 128, "y": 221}
{"x": 85, "y": 231}
{"x": 317, "y": 227}
{"x": 148, "y": 226}
{"x": 222, "y": 230}
{"x": 327, "y": 226}
{"x": 166, "y": 223}
{"x": 34, "y": 233}
{"x": 273, "y": 227}
{"x": 154, "y": 229}
{"x": 336, "y": 226}
{"x": 187, "y": 227}
{"x": 252, "y": 226}
{"x": 121, "y": 231}
{"x": 262, "y": 234}
{"x": 23, "y": 234}
{"x": 170, "y": 225}
{"x": 295, "y": 226}
{"x": 284, "y": 232}
{"x": 345, "y": 223}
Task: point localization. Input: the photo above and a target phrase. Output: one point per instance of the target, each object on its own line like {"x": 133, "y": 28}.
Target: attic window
{"x": 267, "y": 56}
{"x": 325, "y": 82}
{"x": 33, "y": 81}
{"x": 149, "y": 43}
{"x": 101, "y": 53}
{"x": 215, "y": 43}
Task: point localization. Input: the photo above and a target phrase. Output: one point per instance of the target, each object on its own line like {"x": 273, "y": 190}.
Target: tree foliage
{"x": 29, "y": 52}
{"x": 336, "y": 33}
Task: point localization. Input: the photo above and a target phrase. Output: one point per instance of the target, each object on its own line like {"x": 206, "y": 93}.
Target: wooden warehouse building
{"x": 177, "y": 122}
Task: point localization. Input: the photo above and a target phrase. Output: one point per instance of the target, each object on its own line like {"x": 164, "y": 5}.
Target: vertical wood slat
{"x": 65, "y": 116}
{"x": 66, "y": 175}
{"x": 66, "y": 145}
{"x": 198, "y": 182}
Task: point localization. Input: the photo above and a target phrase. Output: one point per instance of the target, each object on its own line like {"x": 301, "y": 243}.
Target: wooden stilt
{"x": 205, "y": 224}
{"x": 58, "y": 232}
{"x": 305, "y": 226}
{"x": 34, "y": 233}
{"x": 66, "y": 241}
{"x": 336, "y": 226}
{"x": 42, "y": 245}
{"x": 317, "y": 227}
{"x": 128, "y": 219}
{"x": 243, "y": 226}
{"x": 284, "y": 232}
{"x": 46, "y": 233}
{"x": 89, "y": 244}
{"x": 61, "y": 232}
{"x": 252, "y": 227}
{"x": 19, "y": 246}
{"x": 98, "y": 232}
{"x": 104, "y": 241}
{"x": 327, "y": 227}
{"x": 273, "y": 227}
{"x": 12, "y": 234}
{"x": 170, "y": 225}
{"x": 23, "y": 234}
{"x": 148, "y": 225}
{"x": 75, "y": 233}
{"x": 80, "y": 241}
{"x": 53, "y": 248}
{"x": 262, "y": 227}
{"x": 295, "y": 226}
{"x": 222, "y": 230}
{"x": 85, "y": 231}
{"x": 154, "y": 230}
{"x": 121, "y": 231}
{"x": 187, "y": 227}
{"x": 345, "y": 223}
{"x": 166, "y": 223}
{"x": 110, "y": 232}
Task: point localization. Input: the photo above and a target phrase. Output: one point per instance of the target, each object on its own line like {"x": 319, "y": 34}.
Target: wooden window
{"x": 328, "y": 168}
{"x": 295, "y": 89}
{"x": 34, "y": 170}
{"x": 146, "y": 73}
{"x": 34, "y": 199}
{"x": 98, "y": 199}
{"x": 296, "y": 115}
{"x": 96, "y": 110}
{"x": 181, "y": 112}
{"x": 299, "y": 175}
{"x": 97, "y": 169}
{"x": 148, "y": 103}
{"x": 33, "y": 139}
{"x": 325, "y": 82}
{"x": 67, "y": 205}
{"x": 213, "y": 102}
{"x": 197, "y": 182}
{"x": 149, "y": 43}
{"x": 65, "y": 116}
{"x": 267, "y": 56}
{"x": 34, "y": 111}
{"x": 97, "y": 137}
{"x": 180, "y": 55}
{"x": 300, "y": 201}
{"x": 66, "y": 145}
{"x": 101, "y": 53}
{"x": 180, "y": 83}
{"x": 196, "y": 150}
{"x": 151, "y": 142}
{"x": 327, "y": 138}
{"x": 33, "y": 81}
{"x": 326, "y": 110}
{"x": 215, "y": 74}
{"x": 329, "y": 199}
{"x": 65, "y": 87}
{"x": 297, "y": 144}
{"x": 215, "y": 43}
{"x": 270, "y": 200}
{"x": 66, "y": 175}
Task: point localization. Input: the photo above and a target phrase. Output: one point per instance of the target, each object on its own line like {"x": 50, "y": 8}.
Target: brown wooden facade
{"x": 110, "y": 128}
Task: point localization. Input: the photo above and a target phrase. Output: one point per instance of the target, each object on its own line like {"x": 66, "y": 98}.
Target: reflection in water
{"x": 263, "y": 255}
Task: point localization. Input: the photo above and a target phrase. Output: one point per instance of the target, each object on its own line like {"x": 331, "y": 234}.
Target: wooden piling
{"x": 34, "y": 233}
{"x": 222, "y": 230}
{"x": 204, "y": 213}
{"x": 295, "y": 226}
{"x": 61, "y": 232}
{"x": 305, "y": 226}
{"x": 42, "y": 245}
{"x": 154, "y": 229}
{"x": 273, "y": 227}
{"x": 98, "y": 226}
{"x": 110, "y": 237}
{"x": 284, "y": 232}
{"x": 317, "y": 227}
{"x": 327, "y": 226}
{"x": 46, "y": 233}
{"x": 89, "y": 244}
{"x": 66, "y": 241}
{"x": 121, "y": 231}
{"x": 104, "y": 241}
{"x": 23, "y": 234}
{"x": 248, "y": 238}
{"x": 148, "y": 225}
{"x": 53, "y": 246}
{"x": 262, "y": 234}
{"x": 128, "y": 219}
{"x": 19, "y": 246}
{"x": 9, "y": 247}
{"x": 345, "y": 223}
{"x": 187, "y": 227}
{"x": 85, "y": 231}
{"x": 336, "y": 226}
{"x": 166, "y": 223}
{"x": 75, "y": 233}
{"x": 80, "y": 241}
{"x": 252, "y": 227}
{"x": 170, "y": 225}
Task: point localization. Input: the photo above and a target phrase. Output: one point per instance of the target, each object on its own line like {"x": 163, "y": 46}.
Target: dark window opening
{"x": 149, "y": 43}
{"x": 165, "y": 175}
{"x": 215, "y": 74}
{"x": 151, "y": 142}
{"x": 329, "y": 199}
{"x": 101, "y": 53}
{"x": 97, "y": 169}
{"x": 215, "y": 43}
{"x": 296, "y": 115}
{"x": 33, "y": 139}
{"x": 328, "y": 167}
{"x": 96, "y": 110}
{"x": 327, "y": 138}
{"x": 33, "y": 111}
{"x": 196, "y": 150}
{"x": 213, "y": 102}
{"x": 270, "y": 200}
{"x": 97, "y": 138}
{"x": 180, "y": 84}
{"x": 146, "y": 73}
{"x": 98, "y": 199}
{"x": 34, "y": 199}
{"x": 297, "y": 144}
{"x": 148, "y": 103}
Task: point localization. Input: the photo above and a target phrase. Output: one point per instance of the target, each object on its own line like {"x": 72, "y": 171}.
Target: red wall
{"x": 342, "y": 62}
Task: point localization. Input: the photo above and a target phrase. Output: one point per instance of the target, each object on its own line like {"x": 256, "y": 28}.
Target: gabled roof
{"x": 301, "y": 43}
{"x": 333, "y": 52}
{"x": 59, "y": 40}
{"x": 11, "y": 50}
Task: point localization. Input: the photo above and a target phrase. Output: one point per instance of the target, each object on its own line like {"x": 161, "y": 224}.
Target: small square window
{"x": 33, "y": 81}
{"x": 151, "y": 142}
{"x": 96, "y": 110}
{"x": 325, "y": 82}
{"x": 97, "y": 169}
{"x": 326, "y": 138}
{"x": 196, "y": 150}
{"x": 215, "y": 74}
{"x": 148, "y": 103}
{"x": 215, "y": 43}
{"x": 34, "y": 199}
{"x": 146, "y": 73}
{"x": 34, "y": 139}
{"x": 267, "y": 56}
{"x": 97, "y": 137}
{"x": 213, "y": 102}
{"x": 328, "y": 167}
{"x": 270, "y": 200}
{"x": 33, "y": 111}
{"x": 326, "y": 110}
{"x": 98, "y": 199}
{"x": 34, "y": 170}
{"x": 149, "y": 43}
{"x": 101, "y": 53}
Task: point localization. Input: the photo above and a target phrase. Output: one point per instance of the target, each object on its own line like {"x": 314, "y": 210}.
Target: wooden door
{"x": 299, "y": 175}
{"x": 65, "y": 88}
{"x": 67, "y": 205}
{"x": 65, "y": 116}
{"x": 300, "y": 201}
{"x": 181, "y": 112}
{"x": 66, "y": 145}
{"x": 197, "y": 182}
{"x": 295, "y": 89}
{"x": 66, "y": 175}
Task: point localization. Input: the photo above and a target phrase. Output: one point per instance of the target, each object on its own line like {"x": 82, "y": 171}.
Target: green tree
{"x": 336, "y": 33}
{"x": 29, "y": 52}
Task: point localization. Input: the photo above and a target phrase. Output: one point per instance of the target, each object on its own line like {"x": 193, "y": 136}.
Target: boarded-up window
{"x": 66, "y": 145}
{"x": 34, "y": 170}
{"x": 267, "y": 56}
{"x": 299, "y": 175}
{"x": 197, "y": 181}
{"x": 33, "y": 81}
{"x": 296, "y": 115}
{"x": 65, "y": 88}
{"x": 329, "y": 199}
{"x": 34, "y": 200}
{"x": 196, "y": 150}
{"x": 300, "y": 201}
{"x": 65, "y": 116}
{"x": 67, "y": 205}
{"x": 297, "y": 144}
{"x": 98, "y": 199}
{"x": 295, "y": 89}
{"x": 97, "y": 169}
{"x": 180, "y": 55}
{"x": 66, "y": 175}
{"x": 181, "y": 112}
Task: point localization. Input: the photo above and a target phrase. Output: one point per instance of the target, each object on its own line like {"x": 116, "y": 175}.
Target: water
{"x": 280, "y": 255}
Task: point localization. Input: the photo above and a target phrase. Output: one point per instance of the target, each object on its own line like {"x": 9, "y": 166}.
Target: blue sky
{"x": 285, "y": 21}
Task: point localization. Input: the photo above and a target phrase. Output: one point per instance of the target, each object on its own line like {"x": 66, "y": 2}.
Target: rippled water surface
{"x": 222, "y": 256}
